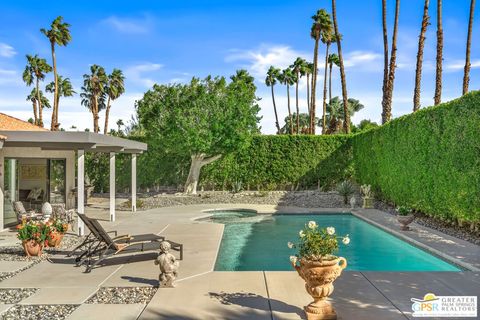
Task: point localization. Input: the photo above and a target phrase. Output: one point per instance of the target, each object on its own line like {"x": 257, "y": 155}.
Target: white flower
{"x": 290, "y": 245}
{"x": 301, "y": 234}
{"x": 312, "y": 224}
{"x": 346, "y": 240}
{"x": 331, "y": 231}
{"x": 293, "y": 259}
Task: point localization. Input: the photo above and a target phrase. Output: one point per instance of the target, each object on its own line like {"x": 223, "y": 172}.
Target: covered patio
{"x": 69, "y": 147}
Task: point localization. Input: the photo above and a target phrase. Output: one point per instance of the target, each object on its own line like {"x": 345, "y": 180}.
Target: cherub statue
{"x": 168, "y": 266}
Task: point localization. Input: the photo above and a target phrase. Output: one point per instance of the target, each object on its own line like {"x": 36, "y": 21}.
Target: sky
{"x": 173, "y": 41}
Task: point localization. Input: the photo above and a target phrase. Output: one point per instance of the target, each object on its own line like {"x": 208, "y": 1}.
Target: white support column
{"x": 80, "y": 189}
{"x": 112, "y": 186}
{"x": 134, "y": 182}
{"x": 13, "y": 179}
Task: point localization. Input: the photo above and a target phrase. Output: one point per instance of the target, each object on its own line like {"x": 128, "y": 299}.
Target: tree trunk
{"x": 346, "y": 122}
{"x": 35, "y": 115}
{"x": 392, "y": 66}
{"x": 275, "y": 110}
{"x": 39, "y": 104}
{"x": 296, "y": 101}
{"x": 314, "y": 86}
{"x": 330, "y": 84}
{"x": 466, "y": 74}
{"x": 438, "y": 77}
{"x": 107, "y": 113}
{"x": 57, "y": 125}
{"x": 421, "y": 45}
{"x": 95, "y": 115}
{"x": 198, "y": 161}
{"x": 289, "y": 111}
{"x": 385, "y": 113}
{"x": 308, "y": 92}
{"x": 324, "y": 117}
{"x": 53, "y": 126}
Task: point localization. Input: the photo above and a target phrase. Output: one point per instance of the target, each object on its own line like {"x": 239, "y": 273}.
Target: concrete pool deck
{"x": 202, "y": 293}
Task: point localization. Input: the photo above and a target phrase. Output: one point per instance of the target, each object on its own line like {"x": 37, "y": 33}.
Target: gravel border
{"x": 39, "y": 312}
{"x": 15, "y": 295}
{"x": 122, "y": 295}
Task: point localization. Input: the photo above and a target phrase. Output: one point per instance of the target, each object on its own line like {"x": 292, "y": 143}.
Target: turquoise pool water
{"x": 254, "y": 242}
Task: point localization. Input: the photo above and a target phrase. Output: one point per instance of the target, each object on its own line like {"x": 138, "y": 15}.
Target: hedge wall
{"x": 283, "y": 162}
{"x": 429, "y": 160}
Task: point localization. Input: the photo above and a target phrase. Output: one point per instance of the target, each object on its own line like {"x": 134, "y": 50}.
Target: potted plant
{"x": 367, "y": 193}
{"x": 58, "y": 228}
{"x": 316, "y": 263}
{"x": 33, "y": 235}
{"x": 404, "y": 217}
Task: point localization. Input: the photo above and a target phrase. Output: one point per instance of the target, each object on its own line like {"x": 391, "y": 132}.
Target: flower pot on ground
{"x": 33, "y": 235}
{"x": 58, "y": 227}
{"x": 318, "y": 267}
{"x": 405, "y": 217}
{"x": 32, "y": 248}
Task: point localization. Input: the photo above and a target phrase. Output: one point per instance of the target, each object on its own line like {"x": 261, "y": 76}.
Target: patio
{"x": 202, "y": 293}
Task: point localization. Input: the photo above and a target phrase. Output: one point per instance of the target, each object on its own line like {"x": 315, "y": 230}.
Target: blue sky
{"x": 171, "y": 41}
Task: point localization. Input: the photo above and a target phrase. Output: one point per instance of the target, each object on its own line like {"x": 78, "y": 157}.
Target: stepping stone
{"x": 60, "y": 296}
{"x": 12, "y": 266}
{"x": 107, "y": 311}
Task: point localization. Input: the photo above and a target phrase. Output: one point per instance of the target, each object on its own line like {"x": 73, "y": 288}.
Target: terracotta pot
{"x": 405, "y": 221}
{"x": 367, "y": 203}
{"x": 319, "y": 277}
{"x": 55, "y": 239}
{"x": 32, "y": 248}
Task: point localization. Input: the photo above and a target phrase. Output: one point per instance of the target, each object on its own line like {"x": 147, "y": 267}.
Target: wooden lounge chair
{"x": 106, "y": 246}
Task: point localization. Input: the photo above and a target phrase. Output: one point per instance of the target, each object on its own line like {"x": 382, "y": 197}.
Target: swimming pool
{"x": 254, "y": 242}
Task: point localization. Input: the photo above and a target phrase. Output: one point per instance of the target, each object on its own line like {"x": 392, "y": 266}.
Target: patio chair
{"x": 21, "y": 213}
{"x": 60, "y": 212}
{"x": 107, "y": 247}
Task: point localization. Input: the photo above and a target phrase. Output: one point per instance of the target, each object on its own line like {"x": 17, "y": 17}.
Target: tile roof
{"x": 9, "y": 123}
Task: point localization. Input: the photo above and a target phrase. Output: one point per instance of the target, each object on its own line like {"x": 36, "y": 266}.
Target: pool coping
{"x": 356, "y": 213}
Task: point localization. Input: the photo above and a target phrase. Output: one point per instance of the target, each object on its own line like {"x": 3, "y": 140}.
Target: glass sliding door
{"x": 11, "y": 191}
{"x": 56, "y": 180}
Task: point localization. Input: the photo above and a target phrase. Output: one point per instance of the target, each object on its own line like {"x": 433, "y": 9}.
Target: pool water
{"x": 254, "y": 242}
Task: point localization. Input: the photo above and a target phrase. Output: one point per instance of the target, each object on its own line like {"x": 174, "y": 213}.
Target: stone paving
{"x": 202, "y": 293}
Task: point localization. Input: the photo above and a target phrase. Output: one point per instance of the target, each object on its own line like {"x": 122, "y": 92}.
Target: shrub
{"x": 345, "y": 189}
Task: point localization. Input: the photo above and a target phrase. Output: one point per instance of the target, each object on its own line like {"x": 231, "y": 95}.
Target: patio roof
{"x": 66, "y": 140}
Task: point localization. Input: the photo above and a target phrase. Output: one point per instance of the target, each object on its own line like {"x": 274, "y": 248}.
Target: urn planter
{"x": 405, "y": 221}
{"x": 367, "y": 203}
{"x": 55, "y": 239}
{"x": 319, "y": 277}
{"x": 32, "y": 248}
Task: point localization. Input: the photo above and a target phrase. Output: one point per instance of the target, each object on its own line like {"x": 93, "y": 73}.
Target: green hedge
{"x": 283, "y": 162}
{"x": 429, "y": 160}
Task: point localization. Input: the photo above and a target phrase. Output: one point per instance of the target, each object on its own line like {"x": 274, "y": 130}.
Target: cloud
{"x": 6, "y": 50}
{"x": 9, "y": 77}
{"x": 366, "y": 60}
{"x": 257, "y": 61}
{"x": 129, "y": 25}
{"x": 136, "y": 73}
{"x": 458, "y": 65}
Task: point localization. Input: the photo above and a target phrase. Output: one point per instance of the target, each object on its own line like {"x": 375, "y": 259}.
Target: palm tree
{"x": 44, "y": 103}
{"x": 65, "y": 89}
{"x": 120, "y": 124}
{"x": 304, "y": 123}
{"x": 321, "y": 23}
{"x": 332, "y": 60}
{"x": 308, "y": 72}
{"x": 36, "y": 69}
{"x": 385, "y": 111}
{"x": 438, "y": 77}
{"x": 466, "y": 74}
{"x": 115, "y": 88}
{"x": 335, "y": 113}
{"x": 327, "y": 38}
{"x": 59, "y": 34}
{"x": 93, "y": 92}
{"x": 421, "y": 45}
{"x": 298, "y": 68}
{"x": 346, "y": 122}
{"x": 271, "y": 79}
{"x": 288, "y": 78}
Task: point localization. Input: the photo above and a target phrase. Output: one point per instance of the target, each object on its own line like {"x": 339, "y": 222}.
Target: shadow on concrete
{"x": 150, "y": 282}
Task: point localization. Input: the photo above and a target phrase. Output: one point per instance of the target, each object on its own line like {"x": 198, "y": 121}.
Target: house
{"x": 38, "y": 165}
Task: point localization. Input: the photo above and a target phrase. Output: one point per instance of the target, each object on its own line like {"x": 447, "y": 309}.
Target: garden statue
{"x": 352, "y": 202}
{"x": 168, "y": 266}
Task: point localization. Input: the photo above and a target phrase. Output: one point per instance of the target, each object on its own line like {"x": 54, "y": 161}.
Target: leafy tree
{"x": 203, "y": 120}
{"x": 299, "y": 69}
{"x": 120, "y": 124}
{"x": 115, "y": 88}
{"x": 35, "y": 70}
{"x": 288, "y": 78}
{"x": 58, "y": 34}
{"x": 65, "y": 89}
{"x": 271, "y": 79}
{"x": 94, "y": 91}
{"x": 421, "y": 45}
{"x": 364, "y": 125}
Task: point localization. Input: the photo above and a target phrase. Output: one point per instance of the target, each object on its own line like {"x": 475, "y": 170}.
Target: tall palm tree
{"x": 288, "y": 78}
{"x": 44, "y": 103}
{"x": 120, "y": 124}
{"x": 65, "y": 89}
{"x": 271, "y": 79}
{"x": 115, "y": 88}
{"x": 385, "y": 112}
{"x": 58, "y": 34}
{"x": 298, "y": 68}
{"x": 308, "y": 72}
{"x": 332, "y": 60}
{"x": 335, "y": 110}
{"x": 93, "y": 92}
{"x": 321, "y": 23}
{"x": 327, "y": 38}
{"x": 346, "y": 122}
{"x": 304, "y": 123}
{"x": 35, "y": 70}
{"x": 466, "y": 74}
{"x": 438, "y": 76}
{"x": 421, "y": 45}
